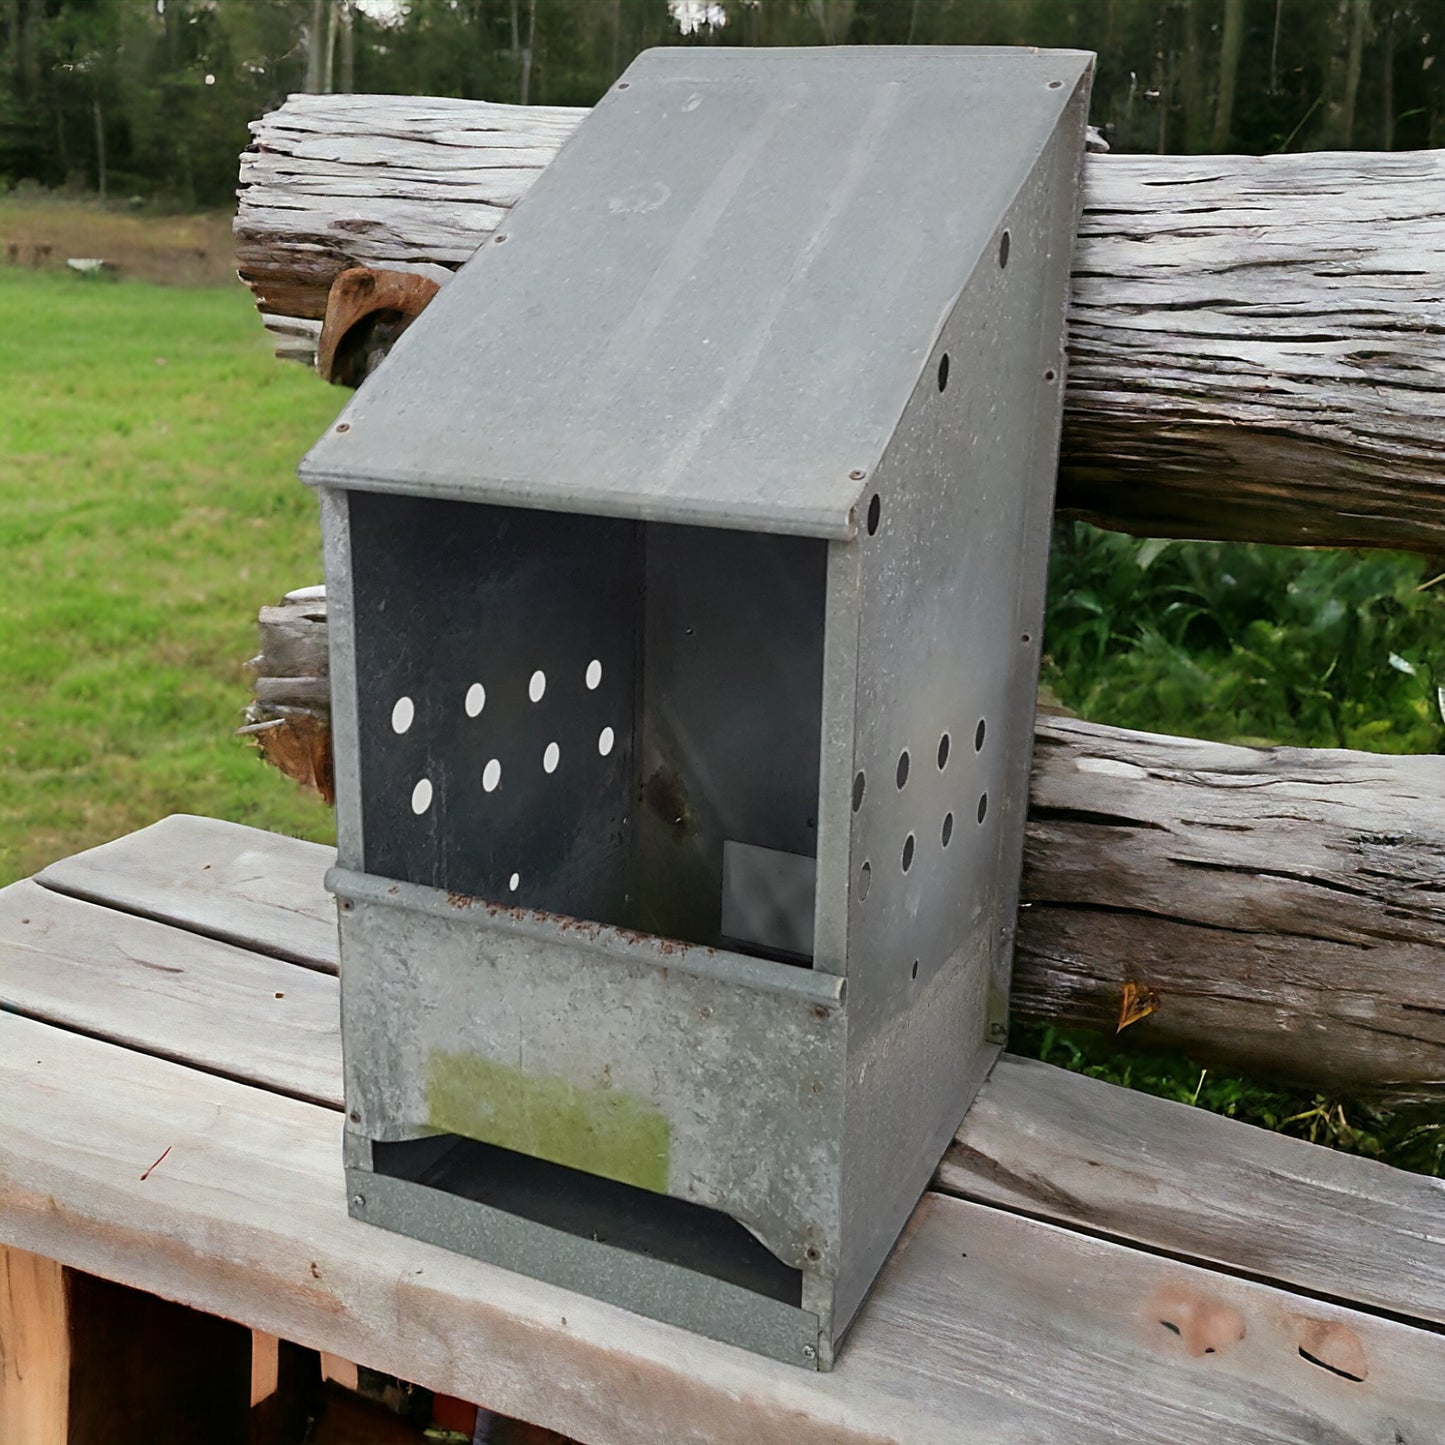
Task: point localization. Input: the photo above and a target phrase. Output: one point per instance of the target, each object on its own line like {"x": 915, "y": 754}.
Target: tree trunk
{"x": 1257, "y": 345}
{"x": 1229, "y": 48}
{"x": 524, "y": 83}
{"x": 348, "y": 47}
{"x": 99, "y": 148}
{"x": 315, "y": 45}
{"x": 1282, "y": 909}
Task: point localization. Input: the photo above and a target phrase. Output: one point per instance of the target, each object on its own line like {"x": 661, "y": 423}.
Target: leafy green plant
{"x": 1247, "y": 643}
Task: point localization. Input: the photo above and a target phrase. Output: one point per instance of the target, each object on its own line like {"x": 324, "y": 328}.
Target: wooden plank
{"x": 34, "y": 1350}
{"x": 178, "y": 995}
{"x": 1083, "y": 1152}
{"x": 985, "y": 1326}
{"x": 223, "y": 880}
{"x": 1038, "y": 1139}
{"x": 1255, "y": 342}
{"x": 285, "y": 1384}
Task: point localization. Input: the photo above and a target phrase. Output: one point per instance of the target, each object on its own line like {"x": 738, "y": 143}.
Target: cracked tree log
{"x": 1257, "y": 344}
{"x": 1282, "y": 909}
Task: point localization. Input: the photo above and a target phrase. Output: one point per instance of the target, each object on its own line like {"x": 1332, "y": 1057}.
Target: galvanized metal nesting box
{"x": 686, "y": 571}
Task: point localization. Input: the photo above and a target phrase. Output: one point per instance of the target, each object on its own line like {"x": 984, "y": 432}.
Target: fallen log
{"x": 1257, "y": 343}
{"x": 1280, "y": 911}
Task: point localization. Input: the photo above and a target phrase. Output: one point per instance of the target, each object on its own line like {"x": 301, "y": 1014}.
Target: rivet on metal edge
{"x": 497, "y": 240}
{"x": 856, "y": 476}
{"x": 343, "y": 426}
{"x": 623, "y": 84}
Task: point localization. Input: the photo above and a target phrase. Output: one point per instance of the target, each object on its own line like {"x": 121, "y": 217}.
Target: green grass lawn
{"x": 148, "y": 506}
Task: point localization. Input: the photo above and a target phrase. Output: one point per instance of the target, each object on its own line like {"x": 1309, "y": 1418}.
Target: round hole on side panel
{"x": 421, "y": 796}
{"x": 402, "y": 714}
{"x": 875, "y": 511}
{"x": 908, "y": 846}
{"x": 865, "y": 880}
{"x": 537, "y": 686}
{"x": 476, "y": 699}
{"x": 978, "y": 735}
{"x": 551, "y": 756}
{"x": 902, "y": 774}
{"x": 605, "y": 739}
{"x": 859, "y": 784}
{"x": 947, "y": 833}
{"x": 943, "y": 371}
{"x": 1004, "y": 242}
{"x": 514, "y": 882}
{"x": 982, "y": 806}
{"x": 1051, "y": 375}
{"x": 594, "y": 675}
{"x": 491, "y": 776}
{"x": 944, "y": 743}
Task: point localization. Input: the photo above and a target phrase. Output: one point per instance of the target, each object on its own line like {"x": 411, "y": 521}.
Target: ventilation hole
{"x": 537, "y": 686}
{"x": 947, "y": 834}
{"x": 1026, "y": 638}
{"x": 902, "y": 767}
{"x": 476, "y": 699}
{"x": 1003, "y": 246}
{"x": 978, "y": 735}
{"x": 402, "y": 714}
{"x": 943, "y": 371}
{"x": 491, "y": 776}
{"x": 982, "y": 806}
{"x": 421, "y": 797}
{"x": 859, "y": 783}
{"x": 514, "y": 882}
{"x": 551, "y": 757}
{"x": 875, "y": 510}
{"x": 908, "y": 852}
{"x": 865, "y": 881}
{"x": 605, "y": 739}
{"x": 594, "y": 674}
{"x": 943, "y": 746}
{"x": 915, "y": 968}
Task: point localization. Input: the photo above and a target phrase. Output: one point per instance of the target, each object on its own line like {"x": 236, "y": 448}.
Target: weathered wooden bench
{"x": 1090, "y": 1263}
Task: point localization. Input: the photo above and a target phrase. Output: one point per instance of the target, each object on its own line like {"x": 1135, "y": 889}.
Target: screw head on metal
{"x": 358, "y": 1201}
{"x": 809, "y": 1353}
{"x": 343, "y": 426}
{"x": 856, "y": 475}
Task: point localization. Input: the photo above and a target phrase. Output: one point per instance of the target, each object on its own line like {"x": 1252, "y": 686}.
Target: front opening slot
{"x": 658, "y": 1226}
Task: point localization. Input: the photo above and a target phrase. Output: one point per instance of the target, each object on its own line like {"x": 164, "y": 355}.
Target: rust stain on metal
{"x": 665, "y": 794}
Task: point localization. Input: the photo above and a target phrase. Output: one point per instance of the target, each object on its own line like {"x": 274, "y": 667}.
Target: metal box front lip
{"x": 774, "y": 515}
{"x": 824, "y": 990}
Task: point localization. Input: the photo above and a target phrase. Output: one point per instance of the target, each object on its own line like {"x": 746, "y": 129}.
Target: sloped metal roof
{"x": 717, "y": 300}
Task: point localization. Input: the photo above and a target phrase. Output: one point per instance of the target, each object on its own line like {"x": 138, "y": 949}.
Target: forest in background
{"x": 147, "y": 101}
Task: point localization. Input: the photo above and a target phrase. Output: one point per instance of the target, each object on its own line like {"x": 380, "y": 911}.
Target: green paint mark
{"x": 597, "y": 1130}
